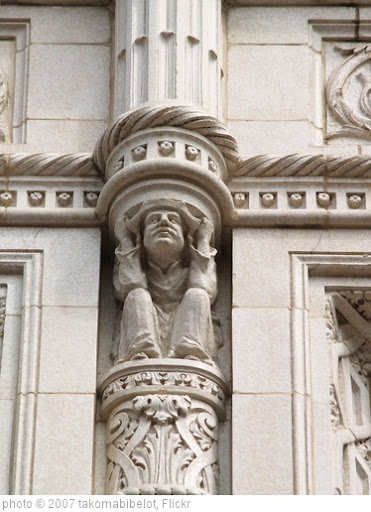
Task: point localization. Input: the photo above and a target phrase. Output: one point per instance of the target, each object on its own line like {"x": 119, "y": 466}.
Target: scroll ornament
{"x": 162, "y": 444}
{"x": 354, "y": 116}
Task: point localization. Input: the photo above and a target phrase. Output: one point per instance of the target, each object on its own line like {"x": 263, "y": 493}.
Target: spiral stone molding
{"x": 47, "y": 164}
{"x": 304, "y": 165}
{"x": 182, "y": 117}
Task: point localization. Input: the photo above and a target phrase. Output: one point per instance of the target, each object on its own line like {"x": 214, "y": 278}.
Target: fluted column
{"x": 167, "y": 50}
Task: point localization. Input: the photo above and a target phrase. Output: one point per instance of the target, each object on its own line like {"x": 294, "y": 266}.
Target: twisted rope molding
{"x": 184, "y": 117}
{"x": 47, "y": 164}
{"x": 265, "y": 166}
{"x": 84, "y": 165}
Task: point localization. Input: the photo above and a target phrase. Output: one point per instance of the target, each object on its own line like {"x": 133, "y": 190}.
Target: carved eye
{"x": 174, "y": 220}
{"x": 154, "y": 220}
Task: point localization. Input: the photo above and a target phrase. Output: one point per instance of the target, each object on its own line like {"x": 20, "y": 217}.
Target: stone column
{"x": 167, "y": 50}
{"x": 164, "y": 396}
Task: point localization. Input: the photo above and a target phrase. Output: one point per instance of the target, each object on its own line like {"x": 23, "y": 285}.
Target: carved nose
{"x": 164, "y": 221}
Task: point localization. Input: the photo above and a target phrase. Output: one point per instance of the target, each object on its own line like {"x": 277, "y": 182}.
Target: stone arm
{"x": 127, "y": 273}
{"x": 202, "y": 270}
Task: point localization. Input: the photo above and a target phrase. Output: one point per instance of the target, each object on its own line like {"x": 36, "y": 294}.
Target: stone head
{"x": 163, "y": 225}
{"x": 163, "y": 231}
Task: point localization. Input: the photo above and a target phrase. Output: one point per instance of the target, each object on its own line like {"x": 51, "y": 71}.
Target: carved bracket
{"x": 162, "y": 427}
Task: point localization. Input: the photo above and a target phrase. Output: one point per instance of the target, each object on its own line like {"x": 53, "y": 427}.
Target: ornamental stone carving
{"x": 348, "y": 92}
{"x": 348, "y": 316}
{"x": 162, "y": 444}
{"x": 162, "y": 428}
{"x": 166, "y": 206}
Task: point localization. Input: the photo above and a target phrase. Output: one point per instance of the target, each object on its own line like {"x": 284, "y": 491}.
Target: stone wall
{"x": 252, "y": 124}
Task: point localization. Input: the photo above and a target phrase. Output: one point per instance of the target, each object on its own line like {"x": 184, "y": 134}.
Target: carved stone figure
{"x": 165, "y": 275}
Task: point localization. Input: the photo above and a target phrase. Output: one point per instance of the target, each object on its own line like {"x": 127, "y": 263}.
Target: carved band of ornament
{"x": 47, "y": 164}
{"x": 181, "y": 380}
{"x": 170, "y": 116}
{"x": 265, "y": 166}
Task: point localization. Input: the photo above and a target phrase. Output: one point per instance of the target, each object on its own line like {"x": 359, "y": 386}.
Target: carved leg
{"x": 139, "y": 330}
{"x": 193, "y": 335}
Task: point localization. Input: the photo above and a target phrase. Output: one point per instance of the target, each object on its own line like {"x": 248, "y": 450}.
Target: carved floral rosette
{"x": 162, "y": 427}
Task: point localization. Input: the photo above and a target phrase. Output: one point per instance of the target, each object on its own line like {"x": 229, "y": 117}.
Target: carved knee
{"x": 196, "y": 295}
{"x": 138, "y": 295}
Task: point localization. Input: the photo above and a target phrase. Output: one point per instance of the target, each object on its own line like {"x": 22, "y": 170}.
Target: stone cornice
{"x": 49, "y": 189}
{"x": 321, "y": 191}
{"x": 268, "y": 190}
{"x": 297, "y": 165}
{"x": 47, "y": 164}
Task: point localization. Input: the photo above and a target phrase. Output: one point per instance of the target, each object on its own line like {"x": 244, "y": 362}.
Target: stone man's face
{"x": 163, "y": 230}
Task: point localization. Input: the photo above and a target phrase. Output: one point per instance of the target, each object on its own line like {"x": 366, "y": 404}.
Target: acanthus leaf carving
{"x": 162, "y": 408}
{"x": 162, "y": 444}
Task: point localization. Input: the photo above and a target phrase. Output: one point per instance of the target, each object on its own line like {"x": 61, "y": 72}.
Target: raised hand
{"x": 204, "y": 231}
{"x": 203, "y": 236}
{"x": 123, "y": 235}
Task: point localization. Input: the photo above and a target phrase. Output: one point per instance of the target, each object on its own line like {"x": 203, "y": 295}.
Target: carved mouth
{"x": 164, "y": 232}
